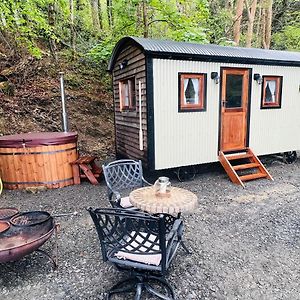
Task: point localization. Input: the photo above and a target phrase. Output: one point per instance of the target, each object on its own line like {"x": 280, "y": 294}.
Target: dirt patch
{"x": 35, "y": 105}
{"x": 280, "y": 190}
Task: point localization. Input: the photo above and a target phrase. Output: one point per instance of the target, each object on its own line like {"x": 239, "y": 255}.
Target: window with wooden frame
{"x": 271, "y": 92}
{"x": 192, "y": 92}
{"x": 127, "y": 94}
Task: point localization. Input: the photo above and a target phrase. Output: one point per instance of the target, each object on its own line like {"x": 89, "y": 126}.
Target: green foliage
{"x": 288, "y": 39}
{"x": 220, "y": 26}
{"x": 179, "y": 20}
{"x": 28, "y": 24}
{"x": 183, "y": 20}
{"x": 102, "y": 51}
{"x": 27, "y": 21}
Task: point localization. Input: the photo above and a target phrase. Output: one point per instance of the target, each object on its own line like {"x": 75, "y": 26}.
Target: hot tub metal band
{"x": 38, "y": 182}
{"x": 47, "y": 152}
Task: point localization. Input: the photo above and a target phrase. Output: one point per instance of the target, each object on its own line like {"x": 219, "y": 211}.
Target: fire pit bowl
{"x": 7, "y": 212}
{"x": 4, "y": 226}
{"x": 25, "y": 235}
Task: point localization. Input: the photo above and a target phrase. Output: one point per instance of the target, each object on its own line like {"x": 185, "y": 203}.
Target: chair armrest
{"x": 115, "y": 197}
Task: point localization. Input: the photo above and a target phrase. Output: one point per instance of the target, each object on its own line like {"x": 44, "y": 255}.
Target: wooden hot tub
{"x": 37, "y": 159}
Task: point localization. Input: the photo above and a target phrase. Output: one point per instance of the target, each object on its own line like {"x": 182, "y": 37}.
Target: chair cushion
{"x": 125, "y": 203}
{"x": 149, "y": 258}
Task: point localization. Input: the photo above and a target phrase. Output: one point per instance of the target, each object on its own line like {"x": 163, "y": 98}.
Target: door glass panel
{"x": 234, "y": 90}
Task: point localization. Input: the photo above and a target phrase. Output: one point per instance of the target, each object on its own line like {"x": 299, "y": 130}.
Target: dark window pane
{"x": 132, "y": 92}
{"x": 234, "y": 90}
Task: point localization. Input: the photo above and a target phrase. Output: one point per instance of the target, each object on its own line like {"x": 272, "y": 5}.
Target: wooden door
{"x": 234, "y": 109}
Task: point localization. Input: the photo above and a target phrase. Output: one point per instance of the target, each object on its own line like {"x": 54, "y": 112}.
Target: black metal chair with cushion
{"x": 121, "y": 177}
{"x": 141, "y": 244}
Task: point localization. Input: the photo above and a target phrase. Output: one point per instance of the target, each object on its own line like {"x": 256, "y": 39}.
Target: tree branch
{"x": 5, "y": 40}
{"x": 162, "y": 20}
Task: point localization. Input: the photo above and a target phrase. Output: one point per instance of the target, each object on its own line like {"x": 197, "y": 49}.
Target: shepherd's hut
{"x": 180, "y": 104}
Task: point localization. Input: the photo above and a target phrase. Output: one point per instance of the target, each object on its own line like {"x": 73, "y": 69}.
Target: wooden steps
{"x": 237, "y": 164}
{"x": 252, "y": 176}
{"x": 240, "y": 156}
{"x": 245, "y": 166}
{"x": 85, "y": 167}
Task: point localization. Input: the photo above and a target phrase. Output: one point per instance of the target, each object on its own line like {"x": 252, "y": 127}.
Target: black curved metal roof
{"x": 209, "y": 52}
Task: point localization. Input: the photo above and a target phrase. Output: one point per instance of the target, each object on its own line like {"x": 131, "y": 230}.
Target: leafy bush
{"x": 288, "y": 39}
{"x": 102, "y": 51}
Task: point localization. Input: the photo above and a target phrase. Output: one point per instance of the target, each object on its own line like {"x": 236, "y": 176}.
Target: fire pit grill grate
{"x": 30, "y": 218}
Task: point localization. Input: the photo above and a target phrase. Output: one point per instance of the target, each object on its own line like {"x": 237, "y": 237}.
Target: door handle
{"x": 224, "y": 103}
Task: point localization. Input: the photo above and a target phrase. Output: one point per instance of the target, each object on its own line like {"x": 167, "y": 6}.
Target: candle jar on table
{"x": 162, "y": 186}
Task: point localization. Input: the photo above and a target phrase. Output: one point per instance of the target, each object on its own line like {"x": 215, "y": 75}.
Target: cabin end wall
{"x": 127, "y": 122}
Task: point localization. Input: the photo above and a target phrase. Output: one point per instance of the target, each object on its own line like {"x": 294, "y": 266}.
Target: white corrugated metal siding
{"x": 189, "y": 138}
{"x": 276, "y": 130}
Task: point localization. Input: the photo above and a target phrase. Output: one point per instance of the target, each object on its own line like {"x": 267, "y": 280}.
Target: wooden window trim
{"x": 131, "y": 95}
{"x": 201, "y": 106}
{"x": 277, "y": 104}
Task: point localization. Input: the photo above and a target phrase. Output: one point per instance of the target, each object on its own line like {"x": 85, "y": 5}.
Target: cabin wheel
{"x": 186, "y": 173}
{"x": 289, "y": 157}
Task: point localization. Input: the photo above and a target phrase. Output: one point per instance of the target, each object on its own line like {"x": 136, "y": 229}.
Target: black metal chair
{"x": 141, "y": 244}
{"x": 121, "y": 177}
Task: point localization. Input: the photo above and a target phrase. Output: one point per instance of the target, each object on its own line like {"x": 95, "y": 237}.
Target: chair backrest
{"x": 123, "y": 174}
{"x": 134, "y": 233}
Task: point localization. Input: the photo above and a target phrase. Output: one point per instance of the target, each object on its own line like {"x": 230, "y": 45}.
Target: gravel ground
{"x": 245, "y": 242}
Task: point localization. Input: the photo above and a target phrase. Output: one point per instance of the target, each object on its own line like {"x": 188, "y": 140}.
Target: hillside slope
{"x": 31, "y": 102}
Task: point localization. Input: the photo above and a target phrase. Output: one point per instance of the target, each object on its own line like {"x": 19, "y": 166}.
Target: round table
{"x": 176, "y": 201}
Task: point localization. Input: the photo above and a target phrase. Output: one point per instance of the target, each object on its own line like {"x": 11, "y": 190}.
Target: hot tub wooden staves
{"x": 37, "y": 159}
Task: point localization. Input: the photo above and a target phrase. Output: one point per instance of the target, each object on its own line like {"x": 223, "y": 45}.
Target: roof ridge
{"x": 228, "y": 54}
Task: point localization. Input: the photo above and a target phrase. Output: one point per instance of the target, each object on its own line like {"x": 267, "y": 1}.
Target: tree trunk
{"x": 109, "y": 6}
{"x": 139, "y": 14}
{"x": 268, "y": 23}
{"x": 237, "y": 23}
{"x": 95, "y": 15}
{"x": 72, "y": 29}
{"x": 78, "y": 5}
{"x": 145, "y": 19}
{"x": 180, "y": 6}
{"x": 100, "y": 14}
{"x": 251, "y": 15}
{"x": 263, "y": 28}
{"x": 51, "y": 20}
{"x": 229, "y": 4}
{"x": 258, "y": 27}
